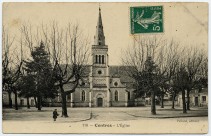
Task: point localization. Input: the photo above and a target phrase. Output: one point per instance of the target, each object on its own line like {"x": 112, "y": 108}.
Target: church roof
{"x": 121, "y": 72}
{"x": 204, "y": 91}
{"x": 114, "y": 71}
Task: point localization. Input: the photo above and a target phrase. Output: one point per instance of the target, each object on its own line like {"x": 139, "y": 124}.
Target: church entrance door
{"x": 99, "y": 102}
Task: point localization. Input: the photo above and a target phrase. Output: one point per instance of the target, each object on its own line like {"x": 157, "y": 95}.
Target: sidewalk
{"x": 100, "y": 114}
{"x": 170, "y": 113}
{"x": 45, "y": 115}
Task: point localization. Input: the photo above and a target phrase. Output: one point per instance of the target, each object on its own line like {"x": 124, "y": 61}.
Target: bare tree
{"x": 6, "y": 45}
{"x": 202, "y": 74}
{"x": 11, "y": 65}
{"x": 69, "y": 56}
{"x": 180, "y": 82}
{"x": 168, "y": 61}
{"x": 194, "y": 61}
{"x": 153, "y": 61}
{"x": 187, "y": 73}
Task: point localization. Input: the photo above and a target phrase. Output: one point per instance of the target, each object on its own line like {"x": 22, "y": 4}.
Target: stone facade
{"x": 198, "y": 98}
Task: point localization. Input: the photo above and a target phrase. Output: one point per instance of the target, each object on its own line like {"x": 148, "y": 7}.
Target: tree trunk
{"x": 16, "y": 99}
{"x": 188, "y": 99}
{"x": 64, "y": 106}
{"x": 39, "y": 102}
{"x": 35, "y": 100}
{"x": 28, "y": 105}
{"x": 162, "y": 105}
{"x": 10, "y": 99}
{"x": 173, "y": 99}
{"x": 183, "y": 101}
{"x": 153, "y": 108}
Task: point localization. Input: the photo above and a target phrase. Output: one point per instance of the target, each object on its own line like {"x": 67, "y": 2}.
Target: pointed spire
{"x": 99, "y": 36}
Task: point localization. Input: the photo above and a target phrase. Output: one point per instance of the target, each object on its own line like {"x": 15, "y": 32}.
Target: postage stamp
{"x": 146, "y": 19}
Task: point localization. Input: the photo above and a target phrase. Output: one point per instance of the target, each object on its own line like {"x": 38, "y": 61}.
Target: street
{"x": 105, "y": 120}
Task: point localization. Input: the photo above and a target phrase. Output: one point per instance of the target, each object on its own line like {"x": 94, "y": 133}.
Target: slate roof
{"x": 204, "y": 91}
{"x": 196, "y": 92}
{"x": 121, "y": 71}
{"x": 114, "y": 71}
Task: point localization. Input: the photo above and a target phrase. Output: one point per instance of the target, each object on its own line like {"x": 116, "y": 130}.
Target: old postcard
{"x": 105, "y": 68}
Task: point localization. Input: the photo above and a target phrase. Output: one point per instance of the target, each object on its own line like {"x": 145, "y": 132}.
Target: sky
{"x": 186, "y": 23}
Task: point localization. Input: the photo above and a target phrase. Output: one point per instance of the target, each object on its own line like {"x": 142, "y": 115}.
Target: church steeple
{"x": 99, "y": 38}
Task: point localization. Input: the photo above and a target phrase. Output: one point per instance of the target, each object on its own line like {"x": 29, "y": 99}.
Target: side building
{"x": 198, "y": 98}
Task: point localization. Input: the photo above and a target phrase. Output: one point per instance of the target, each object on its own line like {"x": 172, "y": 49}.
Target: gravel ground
{"x": 102, "y": 114}
{"x": 135, "y": 120}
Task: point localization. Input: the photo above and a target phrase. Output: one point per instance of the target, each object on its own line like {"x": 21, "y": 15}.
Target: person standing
{"x": 55, "y": 114}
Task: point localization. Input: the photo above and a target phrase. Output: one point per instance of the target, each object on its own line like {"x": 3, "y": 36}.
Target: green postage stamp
{"x": 146, "y": 19}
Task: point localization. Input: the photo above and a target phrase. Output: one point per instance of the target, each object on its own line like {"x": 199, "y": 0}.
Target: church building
{"x": 105, "y": 86}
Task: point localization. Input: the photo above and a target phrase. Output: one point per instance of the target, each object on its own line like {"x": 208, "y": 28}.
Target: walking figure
{"x": 55, "y": 114}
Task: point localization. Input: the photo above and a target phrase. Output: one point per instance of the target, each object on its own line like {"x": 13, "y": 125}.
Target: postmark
{"x": 146, "y": 19}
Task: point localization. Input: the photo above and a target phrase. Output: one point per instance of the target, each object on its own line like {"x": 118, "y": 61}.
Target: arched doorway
{"x": 100, "y": 102}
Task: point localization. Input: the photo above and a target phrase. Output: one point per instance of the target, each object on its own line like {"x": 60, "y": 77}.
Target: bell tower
{"x": 99, "y": 77}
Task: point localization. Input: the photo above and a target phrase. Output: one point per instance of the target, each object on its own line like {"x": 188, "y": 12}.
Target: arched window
{"x": 83, "y": 96}
{"x": 96, "y": 58}
{"x": 102, "y": 59}
{"x": 116, "y": 96}
{"x": 128, "y": 95}
{"x": 99, "y": 59}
